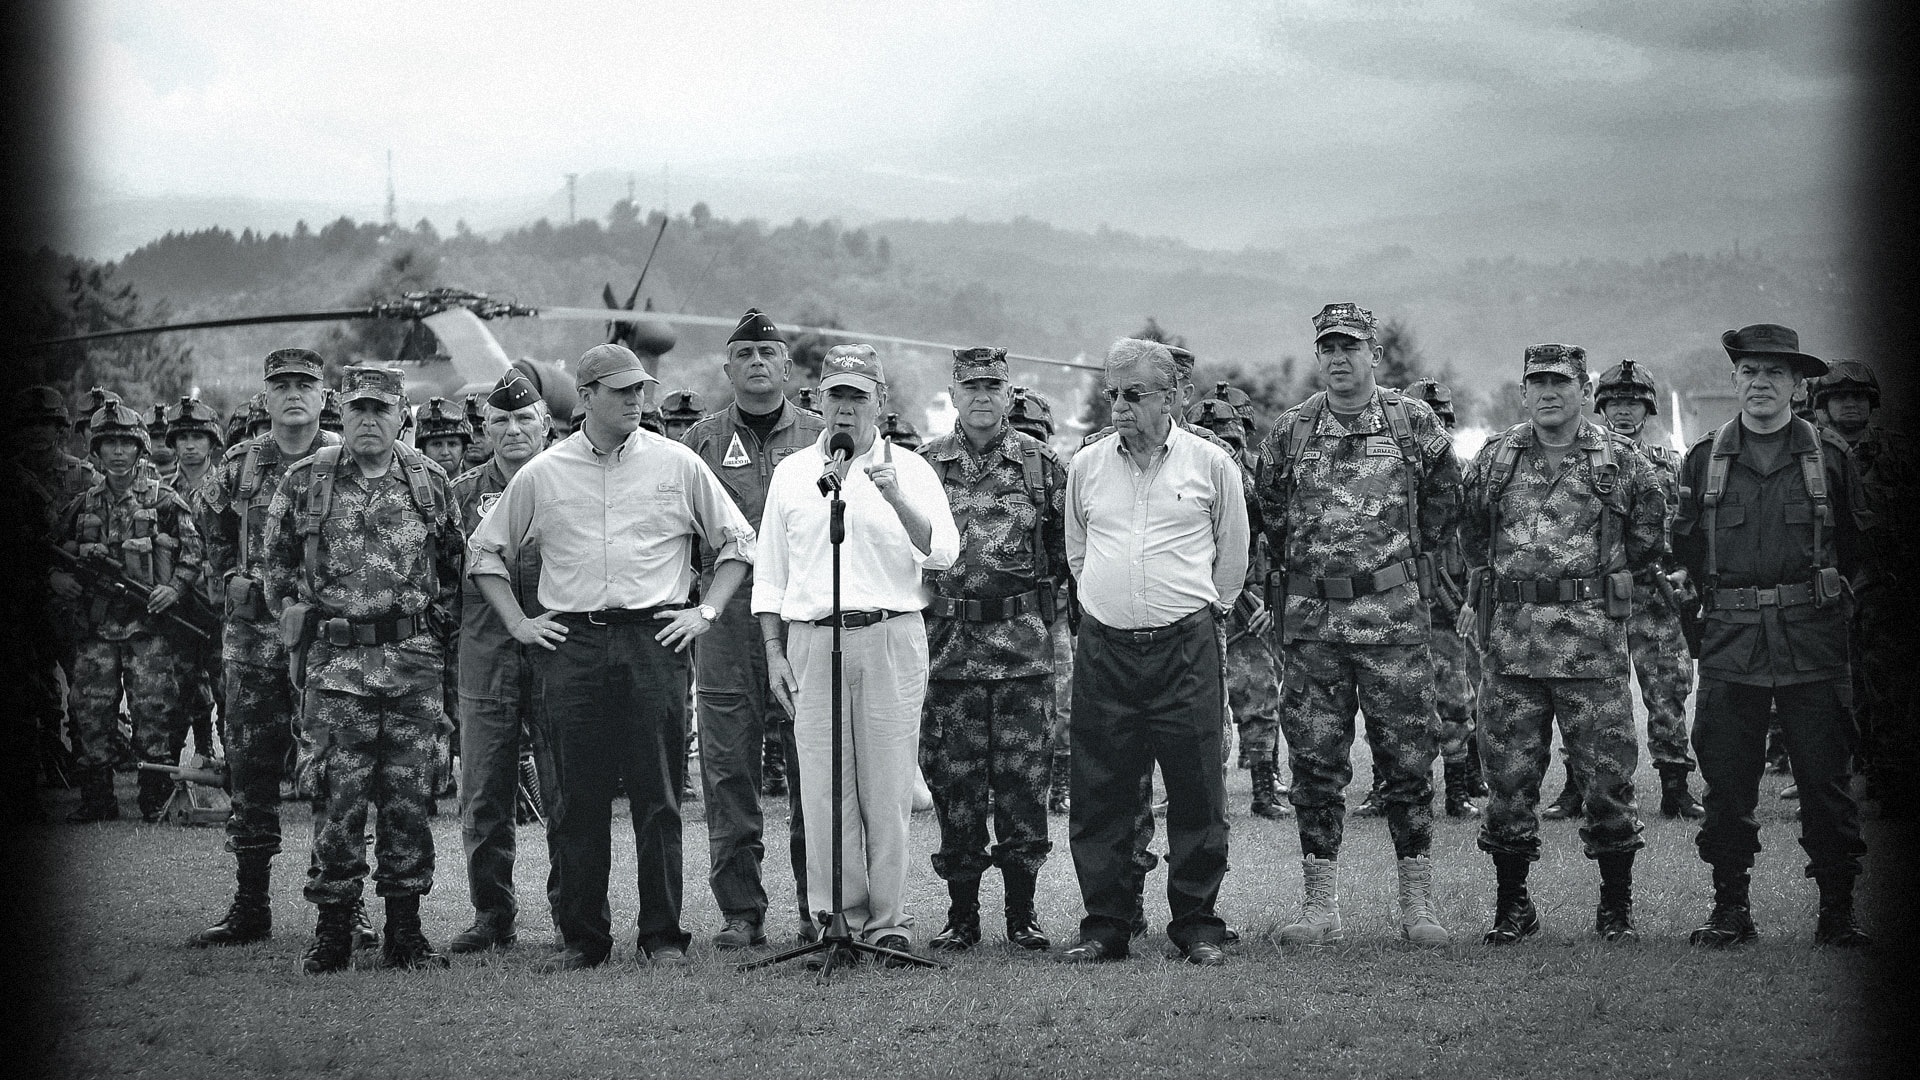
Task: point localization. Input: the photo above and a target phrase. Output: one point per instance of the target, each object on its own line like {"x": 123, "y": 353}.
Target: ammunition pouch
{"x": 1619, "y": 595}
{"x": 1553, "y": 590}
{"x": 245, "y": 599}
{"x": 349, "y": 633}
{"x": 297, "y": 622}
{"x": 1049, "y": 602}
{"x": 1480, "y": 592}
{"x": 1828, "y": 585}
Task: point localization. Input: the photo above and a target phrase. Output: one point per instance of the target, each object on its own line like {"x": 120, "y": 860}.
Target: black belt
{"x": 854, "y": 620}
{"x": 1392, "y": 576}
{"x": 1549, "y": 590}
{"x": 1151, "y": 634}
{"x": 617, "y": 616}
{"x": 1752, "y": 599}
{"x": 996, "y": 610}
{"x": 345, "y": 632}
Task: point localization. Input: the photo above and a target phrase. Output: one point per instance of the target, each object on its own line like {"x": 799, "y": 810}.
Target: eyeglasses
{"x": 1133, "y": 395}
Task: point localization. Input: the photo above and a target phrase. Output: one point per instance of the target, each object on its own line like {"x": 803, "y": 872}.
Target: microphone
{"x": 839, "y": 452}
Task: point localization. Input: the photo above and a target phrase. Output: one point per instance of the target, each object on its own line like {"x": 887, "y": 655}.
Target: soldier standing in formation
{"x": 1561, "y": 517}
{"x": 495, "y": 680}
{"x": 1771, "y": 527}
{"x": 741, "y": 444}
{"x": 1887, "y": 465}
{"x": 364, "y": 535}
{"x": 193, "y": 430}
{"x": 1359, "y": 491}
{"x": 442, "y": 433}
{"x": 139, "y": 528}
{"x": 987, "y": 722}
{"x": 679, "y": 411}
{"x": 1030, "y": 413}
{"x": 261, "y": 702}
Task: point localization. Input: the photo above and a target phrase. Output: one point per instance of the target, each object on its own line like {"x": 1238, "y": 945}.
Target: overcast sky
{"x": 1219, "y": 122}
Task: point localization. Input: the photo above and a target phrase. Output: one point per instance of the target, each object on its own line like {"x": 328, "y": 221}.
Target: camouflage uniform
{"x": 989, "y": 709}
{"x": 1342, "y": 511}
{"x": 147, "y": 531}
{"x": 383, "y": 574}
{"x": 1657, "y": 645}
{"x": 1546, "y": 659}
{"x": 1888, "y": 467}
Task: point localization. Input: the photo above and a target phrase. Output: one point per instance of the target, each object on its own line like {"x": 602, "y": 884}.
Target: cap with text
{"x": 852, "y": 365}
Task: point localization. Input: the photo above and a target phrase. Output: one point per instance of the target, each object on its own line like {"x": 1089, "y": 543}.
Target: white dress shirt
{"x": 1150, "y": 546}
{"x": 879, "y": 569}
{"x": 615, "y": 530}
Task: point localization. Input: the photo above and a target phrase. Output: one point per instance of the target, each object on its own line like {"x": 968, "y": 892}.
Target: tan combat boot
{"x": 1417, "y": 921}
{"x": 1319, "y": 921}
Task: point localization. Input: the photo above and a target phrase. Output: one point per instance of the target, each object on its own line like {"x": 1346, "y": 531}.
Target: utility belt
{"x": 617, "y": 616}
{"x": 343, "y": 633}
{"x": 1827, "y": 585}
{"x": 1391, "y": 576}
{"x": 855, "y": 620}
{"x": 998, "y": 609}
{"x": 1616, "y": 589}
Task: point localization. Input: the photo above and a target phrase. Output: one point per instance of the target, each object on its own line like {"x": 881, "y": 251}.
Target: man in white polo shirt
{"x": 897, "y": 525}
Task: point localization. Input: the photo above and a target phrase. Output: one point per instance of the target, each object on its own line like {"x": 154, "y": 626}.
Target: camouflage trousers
{"x": 259, "y": 735}
{"x": 202, "y": 691}
{"x": 375, "y": 752}
{"x": 1326, "y": 684}
{"x": 1890, "y": 712}
{"x": 145, "y": 668}
{"x": 983, "y": 749}
{"x": 1456, "y": 678}
{"x": 1517, "y": 714}
{"x": 1062, "y": 685}
{"x": 1253, "y": 693}
{"x": 1665, "y": 671}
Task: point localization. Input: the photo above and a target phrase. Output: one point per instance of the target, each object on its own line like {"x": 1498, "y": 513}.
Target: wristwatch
{"x": 708, "y": 613}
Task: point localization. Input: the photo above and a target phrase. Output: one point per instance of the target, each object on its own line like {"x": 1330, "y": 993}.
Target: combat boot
{"x": 773, "y": 768}
{"x": 1613, "y": 920}
{"x": 1837, "y": 926}
{"x": 1266, "y": 790}
{"x": 250, "y": 916}
{"x": 1476, "y": 775}
{"x": 155, "y": 788}
{"x": 1059, "y": 784}
{"x": 963, "y": 918}
{"x": 1374, "y": 805}
{"x": 1513, "y": 914}
{"x": 1459, "y": 793}
{"x": 364, "y": 935}
{"x": 1023, "y": 926}
{"x": 1418, "y": 923}
{"x": 1568, "y": 803}
{"x": 1731, "y": 921}
{"x": 1675, "y": 800}
{"x": 96, "y": 799}
{"x": 1319, "y": 921}
{"x": 406, "y": 945}
{"x": 332, "y": 948}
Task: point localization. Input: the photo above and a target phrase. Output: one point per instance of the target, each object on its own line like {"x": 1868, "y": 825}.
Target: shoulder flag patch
{"x": 736, "y": 454}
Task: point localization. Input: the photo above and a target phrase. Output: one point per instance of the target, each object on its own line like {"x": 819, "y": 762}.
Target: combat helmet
{"x": 682, "y": 406}
{"x": 1629, "y": 380}
{"x": 190, "y": 415}
{"x": 901, "y": 432}
{"x": 1843, "y": 376}
{"x": 330, "y": 416}
{"x": 440, "y": 416}
{"x": 98, "y": 397}
{"x": 1029, "y": 411}
{"x": 1436, "y": 394}
{"x": 115, "y": 419}
{"x": 39, "y": 404}
{"x": 157, "y": 427}
{"x": 1217, "y": 413}
{"x": 258, "y": 419}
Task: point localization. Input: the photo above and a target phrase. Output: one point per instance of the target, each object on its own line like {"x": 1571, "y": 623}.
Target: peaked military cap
{"x": 1557, "y": 359}
{"x": 1349, "y": 319}
{"x": 982, "y": 362}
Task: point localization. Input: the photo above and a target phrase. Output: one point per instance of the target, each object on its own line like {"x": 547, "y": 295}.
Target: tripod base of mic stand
{"x": 842, "y": 948}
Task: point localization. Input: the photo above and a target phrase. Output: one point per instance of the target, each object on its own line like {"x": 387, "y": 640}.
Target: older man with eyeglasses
{"x": 1156, "y": 532}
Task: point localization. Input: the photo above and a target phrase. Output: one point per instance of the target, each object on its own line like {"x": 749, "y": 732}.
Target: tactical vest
{"x": 1813, "y": 474}
{"x": 1307, "y": 420}
{"x": 1603, "y": 476}
{"x": 1033, "y": 471}
{"x": 146, "y": 554}
{"x": 325, "y": 465}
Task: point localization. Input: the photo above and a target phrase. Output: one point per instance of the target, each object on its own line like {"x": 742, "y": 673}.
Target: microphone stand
{"x": 837, "y": 939}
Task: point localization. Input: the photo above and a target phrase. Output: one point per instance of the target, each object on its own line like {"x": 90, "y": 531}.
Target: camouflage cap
{"x": 1627, "y": 379}
{"x": 1349, "y": 319}
{"x": 116, "y": 420}
{"x": 1843, "y": 376}
{"x": 513, "y": 392}
{"x": 755, "y": 326}
{"x": 1031, "y": 412}
{"x": 682, "y": 405}
{"x": 365, "y": 381}
{"x": 294, "y": 362}
{"x": 980, "y": 362}
{"x": 852, "y": 365}
{"x": 1771, "y": 340}
{"x": 193, "y": 415}
{"x": 1555, "y": 359}
{"x": 40, "y": 403}
{"x": 440, "y": 416}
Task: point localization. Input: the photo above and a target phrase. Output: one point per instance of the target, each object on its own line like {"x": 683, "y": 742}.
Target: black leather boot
{"x": 1267, "y": 802}
{"x": 1837, "y": 926}
{"x": 1731, "y": 922}
{"x": 1459, "y": 793}
{"x": 1568, "y": 803}
{"x": 1476, "y": 775}
{"x": 1513, "y": 914}
{"x": 1613, "y": 921}
{"x": 406, "y": 944}
{"x": 1059, "y": 782}
{"x": 250, "y": 916}
{"x": 1675, "y": 800}
{"x": 332, "y": 948}
{"x": 96, "y": 799}
{"x": 1023, "y": 926}
{"x": 963, "y": 918}
{"x": 364, "y": 935}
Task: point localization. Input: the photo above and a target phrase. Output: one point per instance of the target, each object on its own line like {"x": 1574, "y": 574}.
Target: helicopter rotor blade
{"x": 476, "y": 355}
{"x": 214, "y": 324}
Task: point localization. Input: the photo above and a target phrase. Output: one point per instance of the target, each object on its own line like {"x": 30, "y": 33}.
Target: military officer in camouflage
{"x": 261, "y": 703}
{"x": 193, "y": 430}
{"x": 988, "y": 717}
{"x": 1561, "y": 517}
{"x": 1626, "y": 397}
{"x": 1359, "y": 492}
{"x": 443, "y": 433}
{"x": 137, "y": 526}
{"x": 1846, "y": 400}
{"x": 1772, "y": 524}
{"x": 365, "y": 534}
{"x": 1029, "y": 412}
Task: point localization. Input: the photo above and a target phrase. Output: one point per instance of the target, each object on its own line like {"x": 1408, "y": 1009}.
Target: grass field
{"x": 121, "y": 997}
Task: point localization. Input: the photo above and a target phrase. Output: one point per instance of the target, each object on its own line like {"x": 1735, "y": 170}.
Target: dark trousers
{"x": 611, "y": 703}
{"x": 490, "y": 739}
{"x": 1730, "y": 742}
{"x": 737, "y": 707}
{"x": 1136, "y": 703}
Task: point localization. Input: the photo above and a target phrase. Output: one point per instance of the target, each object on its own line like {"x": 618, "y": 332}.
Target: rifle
{"x": 209, "y": 771}
{"x": 100, "y": 576}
